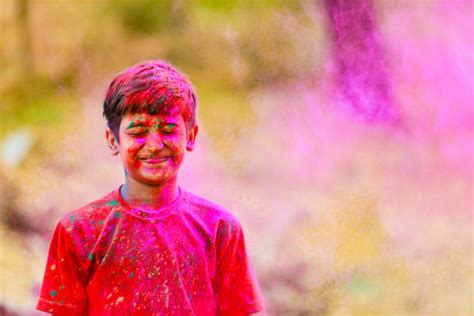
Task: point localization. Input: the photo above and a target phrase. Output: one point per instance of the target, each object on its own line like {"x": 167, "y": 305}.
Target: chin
{"x": 157, "y": 180}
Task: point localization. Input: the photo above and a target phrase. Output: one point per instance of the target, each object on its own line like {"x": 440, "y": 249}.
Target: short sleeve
{"x": 63, "y": 288}
{"x": 237, "y": 290}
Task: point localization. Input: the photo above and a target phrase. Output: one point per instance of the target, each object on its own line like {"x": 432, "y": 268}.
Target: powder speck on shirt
{"x": 187, "y": 258}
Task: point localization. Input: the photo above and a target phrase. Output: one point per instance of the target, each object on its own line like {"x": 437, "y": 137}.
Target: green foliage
{"x": 229, "y": 7}
{"x": 147, "y": 16}
{"x": 231, "y": 49}
{"x": 225, "y": 7}
{"x": 36, "y": 102}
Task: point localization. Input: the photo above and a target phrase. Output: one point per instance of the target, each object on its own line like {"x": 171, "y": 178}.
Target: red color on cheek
{"x": 132, "y": 152}
{"x": 176, "y": 153}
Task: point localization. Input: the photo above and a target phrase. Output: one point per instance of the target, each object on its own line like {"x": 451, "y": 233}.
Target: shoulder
{"x": 90, "y": 214}
{"x": 81, "y": 228}
{"x": 210, "y": 211}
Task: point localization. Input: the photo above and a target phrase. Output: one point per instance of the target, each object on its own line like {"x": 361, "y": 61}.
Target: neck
{"x": 150, "y": 197}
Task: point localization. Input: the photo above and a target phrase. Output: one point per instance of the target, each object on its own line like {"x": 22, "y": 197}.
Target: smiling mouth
{"x": 154, "y": 161}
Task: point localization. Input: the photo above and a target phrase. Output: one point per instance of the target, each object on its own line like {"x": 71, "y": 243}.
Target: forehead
{"x": 144, "y": 117}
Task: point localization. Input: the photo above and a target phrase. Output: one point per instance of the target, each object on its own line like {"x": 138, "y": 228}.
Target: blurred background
{"x": 340, "y": 133}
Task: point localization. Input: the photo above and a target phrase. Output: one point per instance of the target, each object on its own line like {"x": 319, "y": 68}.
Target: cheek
{"x": 133, "y": 147}
{"x": 177, "y": 150}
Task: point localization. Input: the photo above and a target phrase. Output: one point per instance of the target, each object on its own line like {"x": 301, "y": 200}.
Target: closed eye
{"x": 136, "y": 131}
{"x": 168, "y": 128}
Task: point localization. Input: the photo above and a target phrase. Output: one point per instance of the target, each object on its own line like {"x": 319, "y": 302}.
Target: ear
{"x": 192, "y": 138}
{"x": 112, "y": 142}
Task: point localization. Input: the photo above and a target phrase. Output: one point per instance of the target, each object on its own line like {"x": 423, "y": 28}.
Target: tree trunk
{"x": 25, "y": 53}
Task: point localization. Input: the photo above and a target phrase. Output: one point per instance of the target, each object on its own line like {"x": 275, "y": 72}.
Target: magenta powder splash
{"x": 361, "y": 69}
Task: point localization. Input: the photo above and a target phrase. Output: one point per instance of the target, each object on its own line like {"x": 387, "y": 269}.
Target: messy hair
{"x": 152, "y": 87}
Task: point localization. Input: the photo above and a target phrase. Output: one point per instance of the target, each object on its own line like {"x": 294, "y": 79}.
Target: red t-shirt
{"x": 187, "y": 258}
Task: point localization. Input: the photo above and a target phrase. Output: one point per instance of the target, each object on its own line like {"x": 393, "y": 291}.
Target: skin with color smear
{"x": 152, "y": 149}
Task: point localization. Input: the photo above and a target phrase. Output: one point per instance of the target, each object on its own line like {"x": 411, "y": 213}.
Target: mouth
{"x": 154, "y": 161}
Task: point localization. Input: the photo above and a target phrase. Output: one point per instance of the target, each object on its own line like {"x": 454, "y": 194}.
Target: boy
{"x": 149, "y": 247}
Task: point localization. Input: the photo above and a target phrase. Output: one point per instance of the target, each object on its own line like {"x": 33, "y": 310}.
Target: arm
{"x": 63, "y": 289}
{"x": 237, "y": 290}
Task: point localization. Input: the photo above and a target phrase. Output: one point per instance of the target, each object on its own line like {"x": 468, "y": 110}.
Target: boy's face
{"x": 152, "y": 147}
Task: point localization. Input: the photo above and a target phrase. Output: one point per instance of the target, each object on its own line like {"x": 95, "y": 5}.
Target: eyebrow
{"x": 135, "y": 124}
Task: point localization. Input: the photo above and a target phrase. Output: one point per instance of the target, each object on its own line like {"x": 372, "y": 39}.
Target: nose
{"x": 154, "y": 142}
